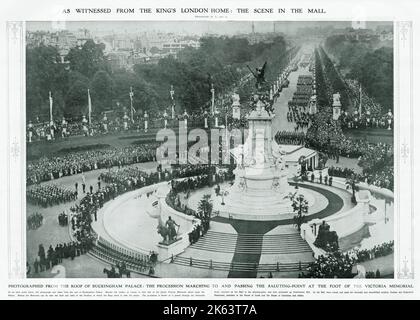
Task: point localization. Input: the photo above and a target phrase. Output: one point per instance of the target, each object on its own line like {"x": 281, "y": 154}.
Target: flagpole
{"x": 360, "y": 99}
{"x": 90, "y": 108}
{"x": 131, "y": 102}
{"x": 51, "y": 106}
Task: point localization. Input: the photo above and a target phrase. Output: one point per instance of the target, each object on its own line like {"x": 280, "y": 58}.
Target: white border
{"x": 15, "y": 247}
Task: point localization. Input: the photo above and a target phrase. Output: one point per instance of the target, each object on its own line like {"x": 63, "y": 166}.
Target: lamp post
{"x": 165, "y": 117}
{"x": 212, "y": 99}
{"x": 223, "y": 193}
{"x": 205, "y": 119}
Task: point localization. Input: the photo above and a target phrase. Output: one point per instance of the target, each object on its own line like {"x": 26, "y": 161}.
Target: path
{"x": 280, "y": 122}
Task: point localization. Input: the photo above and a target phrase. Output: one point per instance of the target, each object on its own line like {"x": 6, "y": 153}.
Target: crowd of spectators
{"x": 333, "y": 265}
{"x": 364, "y": 121}
{"x": 377, "y": 251}
{"x": 56, "y": 166}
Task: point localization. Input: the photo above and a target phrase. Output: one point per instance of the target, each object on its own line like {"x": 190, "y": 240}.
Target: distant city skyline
{"x": 191, "y": 27}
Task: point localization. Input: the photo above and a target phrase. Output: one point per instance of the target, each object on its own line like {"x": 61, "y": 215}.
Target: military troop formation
{"x": 49, "y": 195}
{"x": 299, "y": 116}
{"x": 34, "y": 221}
{"x": 290, "y": 137}
{"x": 54, "y": 167}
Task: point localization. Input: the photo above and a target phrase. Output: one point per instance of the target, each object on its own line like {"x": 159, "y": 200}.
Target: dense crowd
{"x": 377, "y": 251}
{"x": 381, "y": 179}
{"x": 49, "y": 195}
{"x": 370, "y": 106}
{"x": 34, "y": 221}
{"x": 377, "y": 164}
{"x": 133, "y": 177}
{"x": 341, "y": 172}
{"x": 376, "y": 160}
{"x": 55, "y": 255}
{"x": 363, "y": 121}
{"x": 339, "y": 265}
{"x": 332, "y": 265}
{"x": 53, "y": 167}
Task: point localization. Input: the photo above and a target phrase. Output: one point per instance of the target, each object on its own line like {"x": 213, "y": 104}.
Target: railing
{"x": 134, "y": 261}
{"x": 123, "y": 251}
{"x": 240, "y": 266}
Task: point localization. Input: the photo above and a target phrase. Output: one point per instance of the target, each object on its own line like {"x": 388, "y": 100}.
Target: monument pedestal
{"x": 260, "y": 190}
{"x": 166, "y": 251}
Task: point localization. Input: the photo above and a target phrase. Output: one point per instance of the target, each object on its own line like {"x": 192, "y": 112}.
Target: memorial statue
{"x": 168, "y": 230}
{"x": 259, "y": 75}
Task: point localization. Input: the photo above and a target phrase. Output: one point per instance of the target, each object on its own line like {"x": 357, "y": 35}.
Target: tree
{"x": 44, "y": 73}
{"x": 87, "y": 59}
{"x": 300, "y": 208}
{"x": 77, "y": 99}
{"x": 205, "y": 209}
{"x": 102, "y": 87}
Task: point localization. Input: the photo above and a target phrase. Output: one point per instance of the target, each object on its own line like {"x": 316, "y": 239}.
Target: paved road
{"x": 280, "y": 122}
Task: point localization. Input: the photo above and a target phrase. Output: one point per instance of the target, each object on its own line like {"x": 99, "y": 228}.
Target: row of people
{"x": 290, "y": 137}
{"x": 377, "y": 251}
{"x": 49, "y": 195}
{"x": 53, "y": 256}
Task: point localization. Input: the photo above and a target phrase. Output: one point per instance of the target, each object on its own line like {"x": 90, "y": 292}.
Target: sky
{"x": 190, "y": 27}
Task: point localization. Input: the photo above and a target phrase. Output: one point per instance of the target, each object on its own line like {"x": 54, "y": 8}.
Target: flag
{"x": 90, "y": 107}
{"x": 51, "y": 106}
{"x": 131, "y": 104}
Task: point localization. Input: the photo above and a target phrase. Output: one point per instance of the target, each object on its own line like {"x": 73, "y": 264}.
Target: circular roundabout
{"x": 128, "y": 223}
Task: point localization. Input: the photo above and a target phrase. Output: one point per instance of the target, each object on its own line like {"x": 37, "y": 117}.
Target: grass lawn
{"x": 41, "y": 148}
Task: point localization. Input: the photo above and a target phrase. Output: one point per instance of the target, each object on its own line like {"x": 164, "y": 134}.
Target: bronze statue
{"x": 259, "y": 75}
{"x": 168, "y": 231}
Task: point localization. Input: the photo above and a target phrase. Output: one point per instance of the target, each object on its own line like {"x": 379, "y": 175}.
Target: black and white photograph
{"x": 209, "y": 149}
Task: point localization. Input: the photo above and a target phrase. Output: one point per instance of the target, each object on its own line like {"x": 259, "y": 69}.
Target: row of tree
{"x": 220, "y": 61}
{"x": 368, "y": 63}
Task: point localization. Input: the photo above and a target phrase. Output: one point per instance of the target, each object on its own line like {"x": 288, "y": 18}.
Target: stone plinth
{"x": 165, "y": 252}
{"x": 260, "y": 190}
